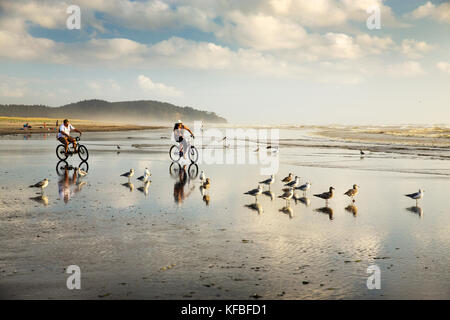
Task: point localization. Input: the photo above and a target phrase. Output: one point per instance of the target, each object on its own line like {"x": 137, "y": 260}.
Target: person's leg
{"x": 64, "y": 141}
{"x": 74, "y": 142}
{"x": 185, "y": 147}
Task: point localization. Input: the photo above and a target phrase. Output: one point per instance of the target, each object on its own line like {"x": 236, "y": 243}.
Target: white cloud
{"x": 443, "y": 66}
{"x": 149, "y": 86}
{"x": 6, "y": 90}
{"x": 439, "y": 13}
{"x": 405, "y": 69}
{"x": 414, "y": 49}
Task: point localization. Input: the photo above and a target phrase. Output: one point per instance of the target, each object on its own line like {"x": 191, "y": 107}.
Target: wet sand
{"x": 176, "y": 242}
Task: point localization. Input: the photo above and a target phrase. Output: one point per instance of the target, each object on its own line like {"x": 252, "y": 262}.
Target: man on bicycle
{"x": 64, "y": 135}
{"x": 178, "y": 133}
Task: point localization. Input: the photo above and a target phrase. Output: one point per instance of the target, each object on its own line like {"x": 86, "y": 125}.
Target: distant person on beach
{"x": 178, "y": 133}
{"x": 64, "y": 135}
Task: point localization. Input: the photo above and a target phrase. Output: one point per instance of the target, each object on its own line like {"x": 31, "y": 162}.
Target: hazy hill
{"x": 126, "y": 111}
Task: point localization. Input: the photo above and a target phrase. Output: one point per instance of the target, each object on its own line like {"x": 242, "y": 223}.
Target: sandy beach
{"x": 175, "y": 241}
{"x": 14, "y": 125}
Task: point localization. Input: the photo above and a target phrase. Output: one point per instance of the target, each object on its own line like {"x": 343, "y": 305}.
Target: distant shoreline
{"x": 15, "y": 125}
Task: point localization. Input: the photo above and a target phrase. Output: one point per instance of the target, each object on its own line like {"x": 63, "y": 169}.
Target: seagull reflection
{"x": 270, "y": 194}
{"x": 206, "y": 199}
{"x": 129, "y": 185}
{"x": 352, "y": 209}
{"x": 255, "y": 207}
{"x": 303, "y": 200}
{"x": 287, "y": 210}
{"x": 42, "y": 199}
{"x": 417, "y": 210}
{"x": 144, "y": 188}
{"x": 326, "y": 210}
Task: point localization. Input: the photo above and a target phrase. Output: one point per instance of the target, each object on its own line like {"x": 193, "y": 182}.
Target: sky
{"x": 253, "y": 61}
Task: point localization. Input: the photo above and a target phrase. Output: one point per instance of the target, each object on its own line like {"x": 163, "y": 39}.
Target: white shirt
{"x": 65, "y": 129}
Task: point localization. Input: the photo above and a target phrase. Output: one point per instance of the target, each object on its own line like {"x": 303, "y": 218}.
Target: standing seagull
{"x": 293, "y": 183}
{"x": 128, "y": 174}
{"x": 41, "y": 184}
{"x": 202, "y": 176}
{"x": 326, "y": 195}
{"x": 287, "y": 195}
{"x": 352, "y": 192}
{"x": 255, "y": 192}
{"x": 81, "y": 172}
{"x": 145, "y": 176}
{"x": 288, "y": 178}
{"x": 416, "y": 196}
{"x": 269, "y": 181}
{"x": 304, "y": 187}
{"x": 361, "y": 152}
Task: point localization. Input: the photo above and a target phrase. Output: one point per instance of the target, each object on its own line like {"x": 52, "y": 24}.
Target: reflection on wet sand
{"x": 304, "y": 200}
{"x": 255, "y": 207}
{"x": 69, "y": 185}
{"x": 128, "y": 185}
{"x": 352, "y": 209}
{"x": 326, "y": 210}
{"x": 287, "y": 210}
{"x": 179, "y": 193}
{"x": 42, "y": 199}
{"x": 270, "y": 194}
{"x": 417, "y": 210}
{"x": 144, "y": 188}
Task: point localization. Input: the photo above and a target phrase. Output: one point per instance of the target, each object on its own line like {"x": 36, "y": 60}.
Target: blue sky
{"x": 254, "y": 61}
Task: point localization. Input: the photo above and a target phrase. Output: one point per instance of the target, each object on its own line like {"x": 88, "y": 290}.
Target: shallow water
{"x": 171, "y": 243}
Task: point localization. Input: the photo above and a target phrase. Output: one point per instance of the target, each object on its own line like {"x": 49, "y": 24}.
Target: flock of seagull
{"x": 292, "y": 183}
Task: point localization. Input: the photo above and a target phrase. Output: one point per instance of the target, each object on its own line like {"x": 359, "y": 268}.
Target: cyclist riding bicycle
{"x": 64, "y": 135}
{"x": 178, "y": 133}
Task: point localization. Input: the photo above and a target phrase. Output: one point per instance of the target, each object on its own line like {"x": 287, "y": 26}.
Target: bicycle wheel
{"x": 174, "y": 153}
{"x": 83, "y": 153}
{"x": 174, "y": 169}
{"x": 61, "y": 152}
{"x": 193, "y": 154}
{"x": 193, "y": 171}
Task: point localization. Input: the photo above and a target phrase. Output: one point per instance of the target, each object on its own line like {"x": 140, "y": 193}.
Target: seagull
{"x": 304, "y": 187}
{"x": 288, "y": 178}
{"x": 202, "y": 176}
{"x": 145, "y": 176}
{"x": 255, "y": 192}
{"x": 118, "y": 147}
{"x": 81, "y": 172}
{"x": 326, "y": 195}
{"x": 206, "y": 184}
{"x": 416, "y": 196}
{"x": 269, "y": 181}
{"x": 41, "y": 184}
{"x": 293, "y": 183}
{"x": 361, "y": 152}
{"x": 128, "y": 174}
{"x": 352, "y": 192}
{"x": 287, "y": 195}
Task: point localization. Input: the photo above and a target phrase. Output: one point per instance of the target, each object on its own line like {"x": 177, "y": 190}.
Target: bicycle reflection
{"x": 183, "y": 175}
{"x": 70, "y": 183}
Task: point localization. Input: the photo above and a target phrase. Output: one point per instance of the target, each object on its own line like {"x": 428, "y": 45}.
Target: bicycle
{"x": 82, "y": 151}
{"x": 175, "y": 153}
